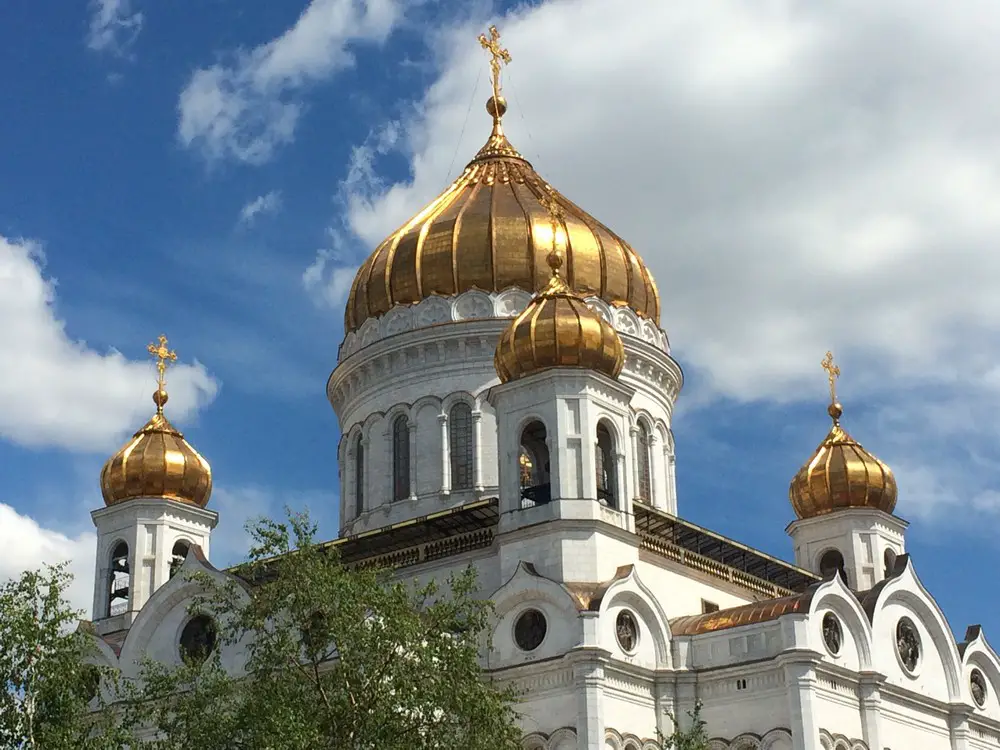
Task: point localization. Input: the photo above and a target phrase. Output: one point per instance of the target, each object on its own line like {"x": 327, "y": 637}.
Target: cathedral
{"x": 504, "y": 392}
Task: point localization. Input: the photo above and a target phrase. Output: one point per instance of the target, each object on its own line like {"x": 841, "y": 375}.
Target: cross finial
{"x": 498, "y": 56}
{"x": 555, "y": 211}
{"x": 163, "y": 357}
{"x": 833, "y": 372}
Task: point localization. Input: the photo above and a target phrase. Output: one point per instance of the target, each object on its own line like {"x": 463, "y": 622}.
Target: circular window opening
{"x": 908, "y": 644}
{"x": 830, "y": 563}
{"x": 977, "y": 684}
{"x": 627, "y": 630}
{"x": 529, "y": 630}
{"x": 833, "y": 634}
{"x": 197, "y": 639}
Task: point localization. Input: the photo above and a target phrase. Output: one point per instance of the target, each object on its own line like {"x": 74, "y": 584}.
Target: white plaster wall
{"x": 837, "y": 709}
{"x": 680, "y": 592}
{"x": 904, "y": 727}
{"x": 628, "y": 708}
{"x": 548, "y": 710}
{"x": 729, "y": 712}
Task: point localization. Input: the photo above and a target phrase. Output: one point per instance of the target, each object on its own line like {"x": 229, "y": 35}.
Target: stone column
{"x": 588, "y": 679}
{"x": 445, "y": 454}
{"x": 477, "y": 452}
{"x": 412, "y": 433}
{"x": 800, "y": 679}
{"x": 958, "y": 726}
{"x": 870, "y": 700}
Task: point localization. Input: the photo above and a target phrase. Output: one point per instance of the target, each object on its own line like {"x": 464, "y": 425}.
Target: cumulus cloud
{"x": 114, "y": 26}
{"x": 798, "y": 176}
{"x": 261, "y": 205}
{"x": 27, "y": 545}
{"x": 246, "y": 109}
{"x": 55, "y": 391}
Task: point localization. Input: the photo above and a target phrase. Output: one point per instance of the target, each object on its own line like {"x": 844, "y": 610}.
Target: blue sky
{"x": 798, "y": 179}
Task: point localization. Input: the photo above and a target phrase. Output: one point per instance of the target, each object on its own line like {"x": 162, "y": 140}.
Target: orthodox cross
{"x": 833, "y": 372}
{"x": 163, "y": 356}
{"x": 498, "y": 55}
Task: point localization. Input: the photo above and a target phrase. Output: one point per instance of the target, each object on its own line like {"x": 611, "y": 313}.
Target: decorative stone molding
{"x": 477, "y": 305}
{"x": 561, "y": 739}
{"x": 776, "y": 739}
{"x": 830, "y": 741}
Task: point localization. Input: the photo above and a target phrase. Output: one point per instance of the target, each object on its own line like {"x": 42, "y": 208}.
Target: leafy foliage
{"x": 334, "y": 658}
{"x": 692, "y": 737}
{"x": 52, "y": 697}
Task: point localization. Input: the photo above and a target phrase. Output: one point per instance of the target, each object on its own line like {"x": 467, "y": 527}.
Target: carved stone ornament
{"x": 529, "y": 630}
{"x": 908, "y": 643}
{"x": 627, "y": 630}
{"x": 833, "y": 634}
{"x": 977, "y": 685}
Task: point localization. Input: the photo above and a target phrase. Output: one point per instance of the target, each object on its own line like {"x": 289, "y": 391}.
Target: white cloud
{"x": 798, "y": 177}
{"x": 114, "y": 26}
{"x": 247, "y": 109}
{"x": 55, "y": 391}
{"x": 27, "y": 546}
{"x": 261, "y": 205}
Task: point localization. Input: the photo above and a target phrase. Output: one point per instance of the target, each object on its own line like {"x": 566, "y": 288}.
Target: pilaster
{"x": 958, "y": 726}
{"x": 870, "y": 701}
{"x": 588, "y": 678}
{"x": 800, "y": 679}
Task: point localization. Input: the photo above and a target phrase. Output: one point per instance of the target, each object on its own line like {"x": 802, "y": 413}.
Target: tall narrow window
{"x": 460, "y": 446}
{"x": 178, "y": 555}
{"x": 645, "y": 485}
{"x": 605, "y": 459}
{"x": 119, "y": 580}
{"x": 359, "y": 476}
{"x": 400, "y": 458}
{"x": 533, "y": 462}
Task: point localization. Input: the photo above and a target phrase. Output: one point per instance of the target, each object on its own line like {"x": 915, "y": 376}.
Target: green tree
{"x": 692, "y": 737}
{"x": 335, "y": 658}
{"x": 52, "y": 698}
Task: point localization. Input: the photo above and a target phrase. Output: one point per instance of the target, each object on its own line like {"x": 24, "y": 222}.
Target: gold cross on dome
{"x": 498, "y": 55}
{"x": 163, "y": 356}
{"x": 833, "y": 372}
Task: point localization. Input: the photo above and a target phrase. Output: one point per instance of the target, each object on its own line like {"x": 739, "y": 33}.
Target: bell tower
{"x": 155, "y": 491}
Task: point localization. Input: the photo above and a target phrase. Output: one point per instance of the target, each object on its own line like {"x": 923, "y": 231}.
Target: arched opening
{"x": 359, "y": 476}
{"x": 119, "y": 580}
{"x": 178, "y": 555}
{"x": 460, "y": 446}
{"x": 607, "y": 474}
{"x": 400, "y": 458}
{"x": 832, "y": 562}
{"x": 645, "y": 480}
{"x": 890, "y": 561}
{"x": 533, "y": 461}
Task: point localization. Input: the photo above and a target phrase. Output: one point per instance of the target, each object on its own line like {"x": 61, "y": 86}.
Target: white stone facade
{"x": 565, "y": 484}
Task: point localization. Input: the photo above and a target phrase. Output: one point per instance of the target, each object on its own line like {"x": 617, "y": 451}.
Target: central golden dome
{"x": 491, "y": 231}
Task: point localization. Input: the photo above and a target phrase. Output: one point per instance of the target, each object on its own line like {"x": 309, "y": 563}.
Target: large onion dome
{"x": 558, "y": 329}
{"x": 841, "y": 474}
{"x": 157, "y": 462}
{"x": 482, "y": 233}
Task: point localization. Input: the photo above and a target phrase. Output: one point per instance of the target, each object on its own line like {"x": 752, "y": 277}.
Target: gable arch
{"x": 630, "y": 591}
{"x": 834, "y": 596}
{"x": 977, "y": 653}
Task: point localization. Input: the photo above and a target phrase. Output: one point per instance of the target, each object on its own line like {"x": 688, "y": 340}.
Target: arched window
{"x": 533, "y": 462}
{"x": 832, "y": 562}
{"x": 400, "y": 458}
{"x": 645, "y": 446}
{"x": 606, "y": 468}
{"x": 119, "y": 579}
{"x": 177, "y": 556}
{"x": 460, "y": 445}
{"x": 359, "y": 476}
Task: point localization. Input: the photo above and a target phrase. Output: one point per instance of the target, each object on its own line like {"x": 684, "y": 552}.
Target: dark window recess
{"x": 645, "y": 447}
{"x": 198, "y": 639}
{"x": 119, "y": 580}
{"x": 177, "y": 556}
{"x": 529, "y": 630}
{"x": 533, "y": 464}
{"x": 400, "y": 458}
{"x": 359, "y": 476}
{"x": 607, "y": 478}
{"x": 708, "y": 607}
{"x": 460, "y": 446}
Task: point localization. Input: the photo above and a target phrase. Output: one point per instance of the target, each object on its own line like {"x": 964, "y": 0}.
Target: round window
{"x": 977, "y": 685}
{"x": 908, "y": 644}
{"x": 529, "y": 630}
{"x": 627, "y": 630}
{"x": 197, "y": 639}
{"x": 833, "y": 634}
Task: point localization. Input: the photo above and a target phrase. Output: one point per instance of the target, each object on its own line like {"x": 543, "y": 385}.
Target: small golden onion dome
{"x": 558, "y": 329}
{"x": 841, "y": 474}
{"x": 483, "y": 233}
{"x": 157, "y": 462}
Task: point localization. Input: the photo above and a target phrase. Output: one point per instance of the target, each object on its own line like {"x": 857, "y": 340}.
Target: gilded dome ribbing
{"x": 157, "y": 462}
{"x": 841, "y": 474}
{"x": 558, "y": 329}
{"x": 482, "y": 233}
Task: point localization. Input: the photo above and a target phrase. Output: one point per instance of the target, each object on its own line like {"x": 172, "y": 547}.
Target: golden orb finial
{"x": 499, "y": 56}
{"x": 163, "y": 357}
